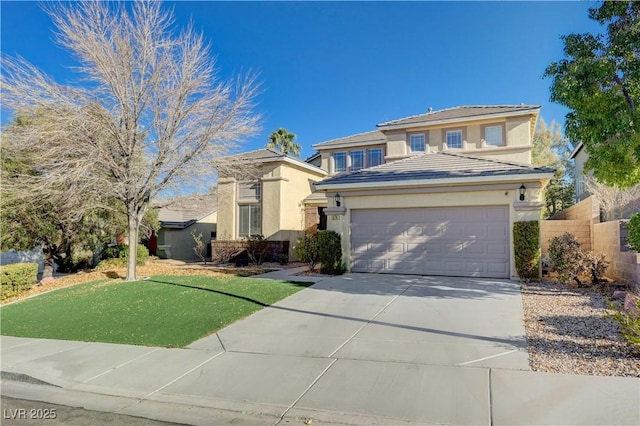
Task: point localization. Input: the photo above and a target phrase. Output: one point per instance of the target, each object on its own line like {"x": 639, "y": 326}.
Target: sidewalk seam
{"x": 180, "y": 376}
{"x": 220, "y": 340}
{"x": 305, "y": 392}
{"x": 369, "y": 321}
{"x": 120, "y": 365}
{"x": 490, "y": 400}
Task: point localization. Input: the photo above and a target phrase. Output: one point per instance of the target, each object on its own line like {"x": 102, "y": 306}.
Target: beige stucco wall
{"x": 396, "y": 144}
{"x": 284, "y": 187}
{"x": 517, "y": 135}
{"x": 579, "y": 161}
{"x": 480, "y": 197}
{"x": 227, "y": 211}
{"x": 181, "y": 240}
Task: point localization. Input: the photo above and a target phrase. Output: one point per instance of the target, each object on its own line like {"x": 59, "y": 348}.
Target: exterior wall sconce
{"x": 337, "y": 199}
{"x": 522, "y": 191}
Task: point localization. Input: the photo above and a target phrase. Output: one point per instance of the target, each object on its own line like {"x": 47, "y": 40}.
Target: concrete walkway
{"x": 356, "y": 349}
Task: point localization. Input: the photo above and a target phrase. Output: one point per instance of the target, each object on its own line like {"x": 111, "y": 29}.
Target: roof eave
{"x": 466, "y": 180}
{"x": 321, "y": 146}
{"x": 533, "y": 110}
{"x": 576, "y": 150}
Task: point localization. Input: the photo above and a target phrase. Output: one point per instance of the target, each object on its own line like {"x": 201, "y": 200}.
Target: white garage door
{"x": 456, "y": 241}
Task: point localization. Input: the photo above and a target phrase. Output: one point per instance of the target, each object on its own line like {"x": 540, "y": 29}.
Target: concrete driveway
{"x": 419, "y": 320}
{"x": 356, "y": 349}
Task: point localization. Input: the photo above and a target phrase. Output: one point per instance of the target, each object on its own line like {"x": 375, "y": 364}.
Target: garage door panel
{"x": 475, "y": 213}
{"x": 406, "y": 266}
{"x": 497, "y": 213}
{"x": 501, "y": 268}
{"x": 470, "y": 241}
{"x": 494, "y": 249}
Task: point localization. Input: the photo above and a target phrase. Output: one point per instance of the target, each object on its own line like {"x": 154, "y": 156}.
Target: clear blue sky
{"x": 332, "y": 69}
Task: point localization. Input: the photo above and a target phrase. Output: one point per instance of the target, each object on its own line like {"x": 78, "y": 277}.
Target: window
{"x": 454, "y": 139}
{"x": 493, "y": 135}
{"x": 357, "y": 160}
{"x": 374, "y": 157}
{"x": 250, "y": 220}
{"x": 416, "y": 143}
{"x": 250, "y": 191}
{"x": 339, "y": 162}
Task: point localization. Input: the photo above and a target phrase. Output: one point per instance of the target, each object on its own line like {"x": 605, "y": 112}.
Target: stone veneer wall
{"x": 624, "y": 264}
{"x": 311, "y": 218}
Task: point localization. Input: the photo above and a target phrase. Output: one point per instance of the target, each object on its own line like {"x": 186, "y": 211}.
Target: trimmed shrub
{"x": 121, "y": 251}
{"x": 306, "y": 250}
{"x": 283, "y": 258}
{"x": 257, "y": 248}
{"x": 596, "y": 265}
{"x": 17, "y": 278}
{"x": 330, "y": 253}
{"x": 633, "y": 238}
{"x": 526, "y": 243}
{"x": 567, "y": 258}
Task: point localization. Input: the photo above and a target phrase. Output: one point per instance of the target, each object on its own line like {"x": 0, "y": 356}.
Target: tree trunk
{"x": 49, "y": 263}
{"x": 132, "y": 259}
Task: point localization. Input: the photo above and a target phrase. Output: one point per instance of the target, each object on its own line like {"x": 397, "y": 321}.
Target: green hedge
{"x": 633, "y": 238}
{"x": 330, "y": 253}
{"x": 17, "y": 278}
{"x": 526, "y": 243}
{"x": 306, "y": 250}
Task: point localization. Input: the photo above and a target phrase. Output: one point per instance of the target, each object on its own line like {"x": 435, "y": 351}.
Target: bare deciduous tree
{"x": 151, "y": 115}
{"x": 614, "y": 201}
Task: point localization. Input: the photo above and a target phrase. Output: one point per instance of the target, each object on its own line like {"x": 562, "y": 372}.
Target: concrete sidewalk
{"x": 357, "y": 349}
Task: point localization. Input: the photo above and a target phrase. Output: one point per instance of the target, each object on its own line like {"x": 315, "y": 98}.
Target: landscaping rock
{"x": 619, "y": 295}
{"x": 569, "y": 331}
{"x": 631, "y": 304}
{"x": 47, "y": 280}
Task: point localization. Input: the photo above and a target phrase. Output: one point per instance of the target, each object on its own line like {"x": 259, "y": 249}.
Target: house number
{"x": 335, "y": 217}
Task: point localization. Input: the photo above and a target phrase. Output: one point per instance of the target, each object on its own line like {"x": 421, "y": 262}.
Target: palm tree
{"x": 283, "y": 141}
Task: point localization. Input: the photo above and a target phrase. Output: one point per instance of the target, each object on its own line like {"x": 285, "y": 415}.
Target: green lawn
{"x": 170, "y": 311}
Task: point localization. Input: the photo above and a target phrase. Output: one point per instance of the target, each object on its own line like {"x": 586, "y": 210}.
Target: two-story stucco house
{"x": 433, "y": 194}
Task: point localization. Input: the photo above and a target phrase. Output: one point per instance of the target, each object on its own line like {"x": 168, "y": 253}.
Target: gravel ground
{"x": 568, "y": 332}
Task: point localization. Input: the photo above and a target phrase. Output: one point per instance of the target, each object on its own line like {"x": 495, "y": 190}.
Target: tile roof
{"x": 367, "y": 137}
{"x": 461, "y": 112}
{"x": 440, "y": 165}
{"x": 246, "y": 163}
{"x": 259, "y": 155}
{"x": 184, "y": 211}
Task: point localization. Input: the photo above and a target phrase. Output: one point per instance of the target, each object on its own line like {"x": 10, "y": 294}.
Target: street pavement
{"x": 354, "y": 349}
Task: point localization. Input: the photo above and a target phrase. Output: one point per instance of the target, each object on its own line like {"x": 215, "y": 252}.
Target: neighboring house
{"x": 580, "y": 157}
{"x": 264, "y": 195}
{"x": 181, "y": 217}
{"x": 433, "y": 194}
{"x": 623, "y": 209}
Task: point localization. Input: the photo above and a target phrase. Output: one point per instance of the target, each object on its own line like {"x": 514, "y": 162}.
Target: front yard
{"x": 569, "y": 331}
{"x": 164, "y": 310}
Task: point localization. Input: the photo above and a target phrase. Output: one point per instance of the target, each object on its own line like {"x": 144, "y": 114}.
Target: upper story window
{"x": 357, "y": 160}
{"x": 454, "y": 139}
{"x": 416, "y": 143}
{"x": 250, "y": 191}
{"x": 374, "y": 157}
{"x": 493, "y": 135}
{"x": 339, "y": 162}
